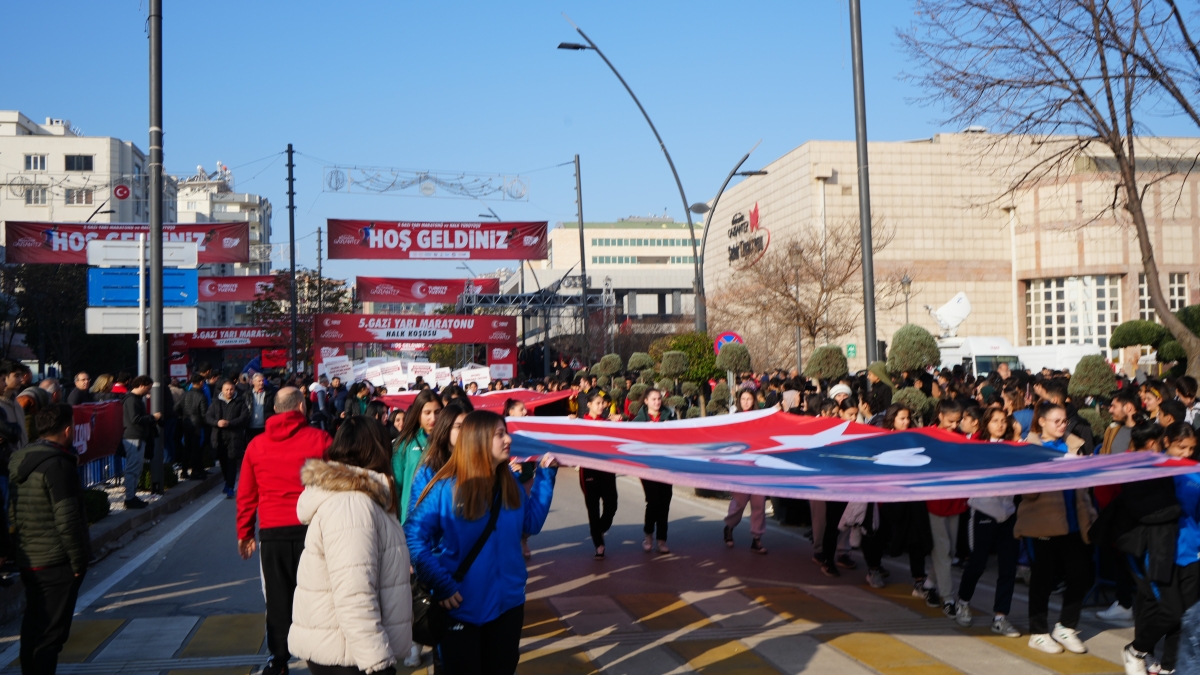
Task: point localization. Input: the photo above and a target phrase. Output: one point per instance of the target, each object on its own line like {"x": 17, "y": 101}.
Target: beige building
{"x": 1049, "y": 263}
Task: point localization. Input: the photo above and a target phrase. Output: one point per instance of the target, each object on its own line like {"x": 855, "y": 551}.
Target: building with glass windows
{"x": 1048, "y": 263}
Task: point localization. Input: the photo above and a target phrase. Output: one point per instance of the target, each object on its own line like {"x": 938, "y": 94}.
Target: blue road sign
{"x": 118, "y": 287}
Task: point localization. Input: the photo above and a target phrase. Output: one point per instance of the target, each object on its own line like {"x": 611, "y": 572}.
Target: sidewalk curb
{"x": 116, "y": 531}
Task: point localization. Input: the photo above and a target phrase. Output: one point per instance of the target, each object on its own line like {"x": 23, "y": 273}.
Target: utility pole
{"x": 292, "y": 248}
{"x": 864, "y": 182}
{"x": 156, "y": 208}
{"x": 583, "y": 284}
{"x": 320, "y": 279}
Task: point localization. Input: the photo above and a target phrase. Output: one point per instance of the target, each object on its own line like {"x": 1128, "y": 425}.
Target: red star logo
{"x": 754, "y": 217}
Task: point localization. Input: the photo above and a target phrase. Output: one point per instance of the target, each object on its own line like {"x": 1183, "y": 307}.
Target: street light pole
{"x": 864, "y": 183}
{"x": 583, "y": 280}
{"x": 698, "y": 282}
{"x": 291, "y": 194}
{"x": 155, "y": 169}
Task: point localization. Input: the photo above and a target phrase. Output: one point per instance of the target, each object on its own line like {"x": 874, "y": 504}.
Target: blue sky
{"x": 465, "y": 86}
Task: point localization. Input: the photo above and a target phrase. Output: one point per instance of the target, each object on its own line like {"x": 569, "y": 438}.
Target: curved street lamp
{"x": 698, "y": 282}
{"x": 701, "y": 208}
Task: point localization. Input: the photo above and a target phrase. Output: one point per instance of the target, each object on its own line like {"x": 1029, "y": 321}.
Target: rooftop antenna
{"x": 950, "y": 315}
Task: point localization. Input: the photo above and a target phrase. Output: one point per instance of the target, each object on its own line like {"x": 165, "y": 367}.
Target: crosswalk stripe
{"x": 554, "y": 662}
{"x": 227, "y": 635}
{"x": 86, "y": 636}
{"x": 890, "y": 656}
{"x": 794, "y": 604}
{"x": 239, "y": 670}
{"x": 541, "y": 621}
{"x": 901, "y": 594}
{"x": 594, "y": 613}
{"x": 1063, "y": 664}
{"x": 722, "y": 656}
{"x": 156, "y": 638}
{"x": 662, "y": 611}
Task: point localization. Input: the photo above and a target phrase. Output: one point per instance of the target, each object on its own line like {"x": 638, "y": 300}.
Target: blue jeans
{"x": 135, "y": 458}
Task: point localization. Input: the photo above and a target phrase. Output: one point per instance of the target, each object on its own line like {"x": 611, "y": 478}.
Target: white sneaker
{"x": 1116, "y": 613}
{"x": 1069, "y": 639}
{"x": 962, "y": 613}
{"x": 1002, "y": 626}
{"x": 1135, "y": 661}
{"x": 414, "y": 657}
{"x": 1043, "y": 643}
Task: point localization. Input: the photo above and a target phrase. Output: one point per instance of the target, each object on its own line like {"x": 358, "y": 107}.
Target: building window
{"x": 35, "y": 162}
{"x": 35, "y": 196}
{"x": 79, "y": 162}
{"x": 1176, "y": 295}
{"x": 190, "y": 206}
{"x": 1073, "y": 310}
{"x": 79, "y": 196}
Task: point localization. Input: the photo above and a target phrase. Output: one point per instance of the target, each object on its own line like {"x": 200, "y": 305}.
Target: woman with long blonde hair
{"x": 475, "y": 497}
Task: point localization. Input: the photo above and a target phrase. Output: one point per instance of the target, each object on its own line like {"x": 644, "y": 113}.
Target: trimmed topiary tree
{"x": 826, "y": 363}
{"x": 634, "y": 408}
{"x": 1092, "y": 377}
{"x": 920, "y": 404}
{"x": 1097, "y": 418}
{"x": 647, "y": 376}
{"x": 608, "y": 366}
{"x": 677, "y": 402}
{"x": 720, "y": 394}
{"x": 639, "y": 361}
{"x": 692, "y": 412}
{"x": 717, "y": 408}
{"x": 734, "y": 357}
{"x": 674, "y": 363}
{"x": 665, "y": 385}
{"x": 637, "y": 392}
{"x": 1136, "y": 333}
{"x": 913, "y": 349}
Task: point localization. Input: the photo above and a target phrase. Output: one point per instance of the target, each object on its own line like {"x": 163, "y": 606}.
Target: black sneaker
{"x": 135, "y": 503}
{"x": 932, "y": 599}
{"x": 728, "y": 537}
{"x": 830, "y": 570}
{"x": 949, "y": 610}
{"x": 844, "y": 560}
{"x": 157, "y": 489}
{"x": 275, "y": 669}
{"x": 757, "y": 547}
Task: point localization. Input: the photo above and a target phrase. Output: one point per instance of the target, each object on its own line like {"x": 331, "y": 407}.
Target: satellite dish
{"x": 950, "y": 315}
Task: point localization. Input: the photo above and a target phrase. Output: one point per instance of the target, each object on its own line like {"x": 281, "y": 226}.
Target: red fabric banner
{"x": 456, "y": 329}
{"x": 437, "y": 291}
{"x": 234, "y": 289}
{"x": 502, "y": 361}
{"x": 231, "y": 338}
{"x": 391, "y": 240}
{"x": 31, "y": 242}
{"x": 98, "y": 430}
{"x": 492, "y": 400}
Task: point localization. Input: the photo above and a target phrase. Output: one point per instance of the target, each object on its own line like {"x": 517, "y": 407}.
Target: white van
{"x": 978, "y": 355}
{"x": 1055, "y": 357}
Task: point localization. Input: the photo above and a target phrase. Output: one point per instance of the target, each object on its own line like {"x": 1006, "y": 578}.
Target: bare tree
{"x": 806, "y": 280}
{"x": 1068, "y": 80}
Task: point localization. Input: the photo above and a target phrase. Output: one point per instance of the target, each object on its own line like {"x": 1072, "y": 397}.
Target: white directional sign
{"x": 124, "y": 320}
{"x": 124, "y": 253}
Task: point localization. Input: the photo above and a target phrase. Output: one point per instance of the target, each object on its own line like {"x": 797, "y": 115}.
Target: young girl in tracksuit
{"x": 598, "y": 486}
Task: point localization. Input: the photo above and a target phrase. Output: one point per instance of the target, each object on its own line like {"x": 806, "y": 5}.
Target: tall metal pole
{"x": 583, "y": 285}
{"x": 292, "y": 248}
{"x": 156, "y": 208}
{"x": 320, "y": 279}
{"x": 864, "y": 183}
{"x": 698, "y": 283}
{"x": 141, "y": 304}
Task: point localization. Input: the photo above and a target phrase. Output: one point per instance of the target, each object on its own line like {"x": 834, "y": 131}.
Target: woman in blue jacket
{"x": 451, "y": 514}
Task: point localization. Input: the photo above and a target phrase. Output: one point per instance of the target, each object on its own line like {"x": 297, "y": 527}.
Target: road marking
{"x": 541, "y": 621}
{"x": 86, "y": 637}
{"x": 901, "y": 594}
{"x": 890, "y": 656}
{"x": 796, "y": 605}
{"x": 594, "y": 613}
{"x": 227, "y": 635}
{"x": 663, "y": 611}
{"x": 722, "y": 656}
{"x": 803, "y": 654}
{"x": 554, "y": 662}
{"x": 1064, "y": 664}
{"x": 156, "y": 638}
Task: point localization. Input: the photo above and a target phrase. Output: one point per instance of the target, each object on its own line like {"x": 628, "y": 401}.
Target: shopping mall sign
{"x": 748, "y": 238}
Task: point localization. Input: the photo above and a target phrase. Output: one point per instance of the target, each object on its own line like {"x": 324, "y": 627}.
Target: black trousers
{"x": 1064, "y": 557}
{"x": 230, "y": 458}
{"x": 599, "y": 486}
{"x": 318, "y": 669}
{"x": 191, "y": 451}
{"x": 1114, "y": 565}
{"x": 491, "y": 649}
{"x": 279, "y": 552}
{"x": 50, "y": 596}
{"x": 875, "y": 537}
{"x": 658, "y": 507}
{"x": 989, "y": 533}
{"x": 1159, "y": 610}
{"x": 829, "y": 538}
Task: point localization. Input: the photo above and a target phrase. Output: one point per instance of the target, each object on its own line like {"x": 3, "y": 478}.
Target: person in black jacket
{"x": 228, "y": 416}
{"x": 260, "y": 402}
{"x": 191, "y": 411}
{"x": 141, "y": 428}
{"x": 51, "y": 536}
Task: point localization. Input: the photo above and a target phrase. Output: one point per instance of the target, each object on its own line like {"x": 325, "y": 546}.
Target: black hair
{"x": 412, "y": 418}
{"x": 1055, "y": 388}
{"x": 197, "y": 378}
{"x": 1131, "y": 396}
{"x": 1144, "y": 434}
{"x": 1177, "y": 432}
{"x": 376, "y": 409}
{"x": 974, "y": 412}
{"x": 1186, "y": 387}
{"x": 893, "y": 411}
{"x": 362, "y": 441}
{"x": 948, "y": 406}
{"x": 511, "y": 403}
{"x": 437, "y": 452}
{"x": 139, "y": 381}
{"x": 1174, "y": 408}
{"x": 594, "y": 394}
{"x": 123, "y": 377}
{"x": 53, "y": 418}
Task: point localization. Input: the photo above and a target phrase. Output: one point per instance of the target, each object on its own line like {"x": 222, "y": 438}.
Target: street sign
{"x": 726, "y": 338}
{"x": 124, "y": 253}
{"x": 122, "y": 192}
{"x": 118, "y": 287}
{"x": 851, "y": 351}
{"x": 124, "y": 320}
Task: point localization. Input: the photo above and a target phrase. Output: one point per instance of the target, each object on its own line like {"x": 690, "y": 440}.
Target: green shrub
{"x": 674, "y": 363}
{"x": 95, "y": 505}
{"x": 734, "y": 357}
{"x": 609, "y": 365}
{"x": 676, "y": 402}
{"x": 639, "y": 361}
{"x": 647, "y": 376}
{"x": 637, "y": 392}
{"x": 1092, "y": 377}
{"x": 665, "y": 386}
{"x": 913, "y": 349}
{"x": 826, "y": 363}
{"x": 1170, "y": 350}
{"x": 634, "y": 408}
{"x": 920, "y": 404}
{"x": 689, "y": 388}
{"x": 692, "y": 412}
{"x": 1098, "y": 419}
{"x": 717, "y": 408}
{"x": 720, "y": 394}
{"x": 1136, "y": 333}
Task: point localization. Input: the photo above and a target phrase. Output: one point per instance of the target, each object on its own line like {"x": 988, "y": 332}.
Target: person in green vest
{"x": 414, "y": 436}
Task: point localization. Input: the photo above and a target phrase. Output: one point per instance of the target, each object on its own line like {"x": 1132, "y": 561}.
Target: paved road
{"x": 179, "y": 600}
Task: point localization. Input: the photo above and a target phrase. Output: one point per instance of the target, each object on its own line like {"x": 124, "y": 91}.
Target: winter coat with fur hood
{"x": 355, "y": 552}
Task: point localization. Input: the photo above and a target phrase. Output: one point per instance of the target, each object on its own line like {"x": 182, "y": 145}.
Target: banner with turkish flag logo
{"x": 66, "y": 243}
{"x": 98, "y": 429}
{"x": 436, "y": 291}
{"x": 234, "y": 289}
{"x": 502, "y": 361}
{"x": 403, "y": 240}
{"x": 441, "y": 328}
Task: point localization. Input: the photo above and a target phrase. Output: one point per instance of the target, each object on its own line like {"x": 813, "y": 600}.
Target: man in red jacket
{"x": 268, "y": 488}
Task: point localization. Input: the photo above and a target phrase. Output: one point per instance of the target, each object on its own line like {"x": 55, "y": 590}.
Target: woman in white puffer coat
{"x": 352, "y": 611}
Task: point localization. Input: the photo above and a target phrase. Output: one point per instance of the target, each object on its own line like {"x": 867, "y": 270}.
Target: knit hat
{"x": 840, "y": 389}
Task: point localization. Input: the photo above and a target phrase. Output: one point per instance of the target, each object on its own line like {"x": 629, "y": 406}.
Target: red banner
{"x": 390, "y": 240}
{"x": 502, "y": 361}
{"x": 226, "y": 338}
{"x": 234, "y": 289}
{"x": 492, "y": 400}
{"x": 98, "y": 429}
{"x": 438, "y": 291}
{"x": 29, "y": 242}
{"x": 465, "y": 329}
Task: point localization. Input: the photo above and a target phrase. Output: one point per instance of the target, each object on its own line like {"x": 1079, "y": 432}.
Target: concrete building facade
{"x": 1048, "y": 263}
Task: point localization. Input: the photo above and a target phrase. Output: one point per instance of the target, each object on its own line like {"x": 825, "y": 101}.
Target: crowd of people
{"x": 342, "y": 495}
